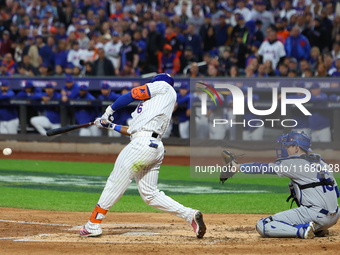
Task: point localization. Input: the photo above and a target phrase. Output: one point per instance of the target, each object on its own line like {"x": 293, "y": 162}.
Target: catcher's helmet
{"x": 293, "y": 138}
{"x": 163, "y": 77}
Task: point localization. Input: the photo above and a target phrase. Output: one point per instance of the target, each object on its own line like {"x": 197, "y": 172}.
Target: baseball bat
{"x": 62, "y": 130}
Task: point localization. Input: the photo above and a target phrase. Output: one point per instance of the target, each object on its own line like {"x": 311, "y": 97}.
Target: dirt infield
{"x": 42, "y": 232}
{"x": 49, "y": 232}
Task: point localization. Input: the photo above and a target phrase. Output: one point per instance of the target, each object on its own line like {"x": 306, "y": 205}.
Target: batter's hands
{"x": 108, "y": 114}
{"x": 103, "y": 123}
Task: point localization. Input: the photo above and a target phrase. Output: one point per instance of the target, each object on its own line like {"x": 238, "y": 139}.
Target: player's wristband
{"x": 117, "y": 128}
{"x": 109, "y": 110}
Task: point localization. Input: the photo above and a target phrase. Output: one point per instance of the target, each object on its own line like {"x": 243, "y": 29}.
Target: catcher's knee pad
{"x": 98, "y": 214}
{"x": 268, "y": 227}
{"x": 260, "y": 226}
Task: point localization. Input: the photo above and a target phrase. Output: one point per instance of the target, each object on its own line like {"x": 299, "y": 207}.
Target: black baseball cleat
{"x": 198, "y": 224}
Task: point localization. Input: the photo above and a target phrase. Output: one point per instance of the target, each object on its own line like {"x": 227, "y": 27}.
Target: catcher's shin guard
{"x": 98, "y": 214}
{"x": 268, "y": 227}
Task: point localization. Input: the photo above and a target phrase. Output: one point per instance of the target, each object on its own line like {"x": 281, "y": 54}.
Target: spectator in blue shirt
{"x": 141, "y": 45}
{"x": 96, "y": 6}
{"x": 337, "y": 65}
{"x": 9, "y": 121}
{"x": 44, "y": 7}
{"x": 223, "y": 31}
{"x": 69, "y": 68}
{"x": 43, "y": 70}
{"x": 160, "y": 26}
{"x": 178, "y": 28}
{"x": 297, "y": 45}
{"x": 45, "y": 52}
{"x": 261, "y": 71}
{"x": 61, "y": 32}
{"x": 194, "y": 41}
{"x": 51, "y": 113}
{"x": 61, "y": 54}
{"x": 3, "y": 69}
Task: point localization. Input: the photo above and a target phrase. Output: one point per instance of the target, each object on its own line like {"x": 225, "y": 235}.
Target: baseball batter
{"x": 313, "y": 187}
{"x": 142, "y": 157}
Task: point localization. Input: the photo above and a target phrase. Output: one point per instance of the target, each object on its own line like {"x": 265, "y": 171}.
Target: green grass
{"x": 81, "y": 168}
{"x": 84, "y": 202}
{"x": 59, "y": 196}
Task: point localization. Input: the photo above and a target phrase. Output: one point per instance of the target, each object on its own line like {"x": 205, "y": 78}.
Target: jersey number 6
{"x": 140, "y": 107}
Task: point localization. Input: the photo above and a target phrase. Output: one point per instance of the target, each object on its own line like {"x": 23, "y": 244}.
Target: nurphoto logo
{"x": 239, "y": 106}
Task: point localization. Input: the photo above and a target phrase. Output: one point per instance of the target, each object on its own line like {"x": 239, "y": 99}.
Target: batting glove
{"x": 108, "y": 114}
{"x": 103, "y": 123}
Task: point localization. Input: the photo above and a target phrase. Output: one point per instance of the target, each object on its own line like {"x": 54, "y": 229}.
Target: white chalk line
{"x": 8, "y": 238}
{"x": 37, "y": 223}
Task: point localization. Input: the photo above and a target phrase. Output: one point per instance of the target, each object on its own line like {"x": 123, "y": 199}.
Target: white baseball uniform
{"x": 142, "y": 158}
{"x": 90, "y": 131}
{"x": 41, "y": 123}
{"x": 9, "y": 127}
{"x": 112, "y": 52}
{"x": 254, "y": 135}
{"x": 272, "y": 51}
{"x": 322, "y": 135}
{"x": 74, "y": 57}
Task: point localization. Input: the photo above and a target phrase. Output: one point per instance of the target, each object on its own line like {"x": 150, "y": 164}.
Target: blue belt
{"x": 325, "y": 212}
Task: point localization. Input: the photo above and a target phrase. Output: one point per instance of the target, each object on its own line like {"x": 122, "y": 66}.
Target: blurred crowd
{"x": 198, "y": 38}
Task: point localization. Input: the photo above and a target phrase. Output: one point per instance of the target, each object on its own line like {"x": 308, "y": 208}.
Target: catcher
{"x": 312, "y": 186}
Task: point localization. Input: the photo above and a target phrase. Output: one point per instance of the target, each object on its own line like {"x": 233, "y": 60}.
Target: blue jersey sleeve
{"x": 56, "y": 95}
{"x": 74, "y": 91}
{"x": 123, "y": 101}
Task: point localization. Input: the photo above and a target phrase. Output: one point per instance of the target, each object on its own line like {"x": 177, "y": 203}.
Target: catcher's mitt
{"x": 228, "y": 171}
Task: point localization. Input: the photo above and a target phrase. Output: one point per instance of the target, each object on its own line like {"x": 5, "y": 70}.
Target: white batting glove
{"x": 108, "y": 114}
{"x": 103, "y": 123}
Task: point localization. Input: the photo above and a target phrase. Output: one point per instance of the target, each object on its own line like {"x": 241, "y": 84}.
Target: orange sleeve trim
{"x": 141, "y": 92}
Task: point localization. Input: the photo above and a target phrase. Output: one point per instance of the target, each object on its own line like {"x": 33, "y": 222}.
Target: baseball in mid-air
{"x": 7, "y": 151}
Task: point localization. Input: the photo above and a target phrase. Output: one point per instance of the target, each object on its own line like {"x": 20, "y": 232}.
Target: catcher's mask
{"x": 163, "y": 77}
{"x": 293, "y": 138}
